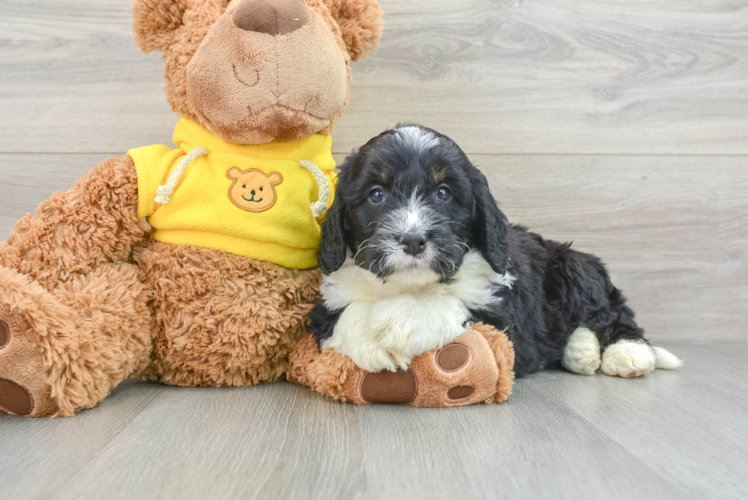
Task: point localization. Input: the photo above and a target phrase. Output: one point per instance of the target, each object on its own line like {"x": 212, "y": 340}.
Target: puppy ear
{"x": 334, "y": 244}
{"x": 491, "y": 226}
{"x": 155, "y": 21}
{"x": 360, "y": 24}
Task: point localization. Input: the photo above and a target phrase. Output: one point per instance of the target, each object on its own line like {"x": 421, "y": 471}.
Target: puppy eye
{"x": 443, "y": 193}
{"x": 260, "y": 189}
{"x": 377, "y": 195}
{"x": 244, "y": 186}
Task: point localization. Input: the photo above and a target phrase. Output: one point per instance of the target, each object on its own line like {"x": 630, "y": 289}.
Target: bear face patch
{"x": 253, "y": 190}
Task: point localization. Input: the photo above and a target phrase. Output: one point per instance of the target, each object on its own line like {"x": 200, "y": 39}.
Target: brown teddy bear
{"x": 217, "y": 292}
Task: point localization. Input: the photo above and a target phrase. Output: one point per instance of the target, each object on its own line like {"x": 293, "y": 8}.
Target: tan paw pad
{"x": 461, "y": 391}
{"x": 452, "y": 357}
{"x": 15, "y": 399}
{"x": 4, "y": 334}
{"x": 389, "y": 387}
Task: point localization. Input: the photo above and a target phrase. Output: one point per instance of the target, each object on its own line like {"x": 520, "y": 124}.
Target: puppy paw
{"x": 375, "y": 359}
{"x": 582, "y": 352}
{"x": 628, "y": 359}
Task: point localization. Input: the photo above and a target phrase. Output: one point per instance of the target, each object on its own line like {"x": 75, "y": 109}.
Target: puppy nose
{"x": 253, "y": 192}
{"x": 413, "y": 244}
{"x": 274, "y": 17}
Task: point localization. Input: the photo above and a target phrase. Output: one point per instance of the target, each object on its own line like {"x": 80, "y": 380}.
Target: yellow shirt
{"x": 250, "y": 200}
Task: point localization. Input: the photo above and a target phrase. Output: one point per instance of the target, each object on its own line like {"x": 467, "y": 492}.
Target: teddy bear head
{"x": 258, "y": 71}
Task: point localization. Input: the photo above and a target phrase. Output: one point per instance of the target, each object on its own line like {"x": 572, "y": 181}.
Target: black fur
{"x": 557, "y": 289}
{"x": 323, "y": 321}
{"x": 332, "y": 249}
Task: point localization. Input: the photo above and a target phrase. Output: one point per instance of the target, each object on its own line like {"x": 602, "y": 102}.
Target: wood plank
{"x": 500, "y": 76}
{"x": 60, "y": 447}
{"x": 673, "y": 230}
{"x": 669, "y": 435}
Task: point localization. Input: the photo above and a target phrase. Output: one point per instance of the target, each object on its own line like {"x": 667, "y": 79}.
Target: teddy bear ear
{"x": 275, "y": 178}
{"x": 155, "y": 21}
{"x": 234, "y": 173}
{"x": 360, "y": 23}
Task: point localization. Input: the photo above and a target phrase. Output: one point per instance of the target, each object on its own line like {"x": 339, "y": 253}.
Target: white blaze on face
{"x": 413, "y": 218}
{"x": 416, "y": 217}
{"x": 417, "y": 138}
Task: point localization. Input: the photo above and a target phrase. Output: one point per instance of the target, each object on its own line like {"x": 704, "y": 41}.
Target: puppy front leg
{"x": 387, "y": 334}
{"x": 355, "y": 337}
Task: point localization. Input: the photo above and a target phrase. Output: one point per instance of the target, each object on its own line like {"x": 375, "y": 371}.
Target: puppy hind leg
{"x": 627, "y": 353}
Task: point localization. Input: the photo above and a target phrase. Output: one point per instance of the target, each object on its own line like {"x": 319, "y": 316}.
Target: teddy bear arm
{"x": 73, "y": 232}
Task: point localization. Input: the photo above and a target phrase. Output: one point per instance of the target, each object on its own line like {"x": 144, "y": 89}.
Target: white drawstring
{"x": 324, "y": 187}
{"x": 163, "y": 192}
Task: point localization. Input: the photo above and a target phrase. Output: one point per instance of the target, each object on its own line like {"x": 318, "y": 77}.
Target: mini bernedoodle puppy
{"x": 415, "y": 248}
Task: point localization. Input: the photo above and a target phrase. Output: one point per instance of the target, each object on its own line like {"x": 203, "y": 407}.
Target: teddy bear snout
{"x": 273, "y": 17}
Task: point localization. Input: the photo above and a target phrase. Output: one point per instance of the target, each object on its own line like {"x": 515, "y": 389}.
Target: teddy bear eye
{"x": 244, "y": 186}
{"x": 260, "y": 189}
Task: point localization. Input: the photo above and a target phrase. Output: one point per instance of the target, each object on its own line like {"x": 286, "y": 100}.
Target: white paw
{"x": 375, "y": 359}
{"x": 582, "y": 352}
{"x": 628, "y": 358}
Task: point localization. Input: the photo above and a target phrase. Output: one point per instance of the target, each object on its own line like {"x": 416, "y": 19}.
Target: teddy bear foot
{"x": 461, "y": 373}
{"x": 23, "y": 390}
{"x": 26, "y": 310}
{"x": 448, "y": 377}
{"x": 476, "y": 367}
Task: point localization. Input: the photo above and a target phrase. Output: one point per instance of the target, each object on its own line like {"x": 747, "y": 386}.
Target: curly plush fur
{"x": 87, "y": 299}
{"x": 221, "y": 319}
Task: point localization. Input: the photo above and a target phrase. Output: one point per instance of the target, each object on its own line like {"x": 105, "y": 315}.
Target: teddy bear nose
{"x": 274, "y": 17}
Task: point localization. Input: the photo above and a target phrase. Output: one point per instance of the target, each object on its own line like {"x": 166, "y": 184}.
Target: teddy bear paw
{"x": 23, "y": 386}
{"x": 22, "y": 392}
{"x": 14, "y": 398}
{"x": 460, "y": 373}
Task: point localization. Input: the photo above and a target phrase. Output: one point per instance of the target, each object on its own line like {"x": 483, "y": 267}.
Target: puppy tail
{"x": 666, "y": 360}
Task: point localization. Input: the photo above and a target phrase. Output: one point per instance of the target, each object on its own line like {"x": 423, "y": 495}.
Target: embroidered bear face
{"x": 253, "y": 190}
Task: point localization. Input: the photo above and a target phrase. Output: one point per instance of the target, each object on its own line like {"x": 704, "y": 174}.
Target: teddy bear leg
{"x": 223, "y": 320}
{"x": 475, "y": 367}
{"x": 63, "y": 350}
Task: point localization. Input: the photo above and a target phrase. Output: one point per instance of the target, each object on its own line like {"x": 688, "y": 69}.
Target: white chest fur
{"x": 386, "y": 323}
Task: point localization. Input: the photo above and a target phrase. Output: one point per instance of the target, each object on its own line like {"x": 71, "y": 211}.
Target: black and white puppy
{"x": 415, "y": 248}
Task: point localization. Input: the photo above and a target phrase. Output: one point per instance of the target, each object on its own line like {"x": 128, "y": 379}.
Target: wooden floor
{"x": 677, "y": 435}
{"x": 621, "y": 125}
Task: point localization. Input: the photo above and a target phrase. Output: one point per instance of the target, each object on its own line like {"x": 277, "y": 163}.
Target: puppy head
{"x": 409, "y": 201}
